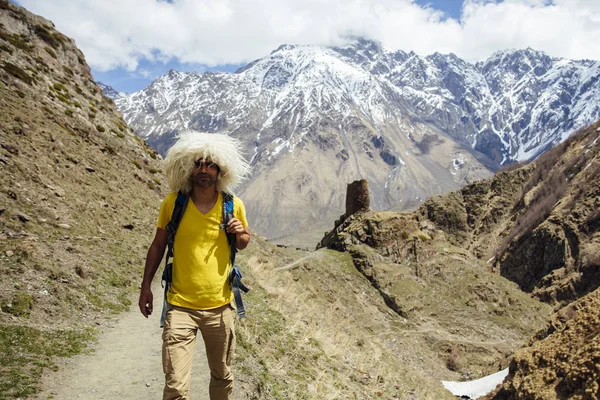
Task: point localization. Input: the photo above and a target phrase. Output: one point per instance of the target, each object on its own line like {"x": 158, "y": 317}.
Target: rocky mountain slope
{"x": 414, "y": 126}
{"x": 78, "y": 200}
{"x": 536, "y": 225}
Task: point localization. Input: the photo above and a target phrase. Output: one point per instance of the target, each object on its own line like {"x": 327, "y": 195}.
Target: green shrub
{"x": 21, "y": 94}
{"x": 50, "y": 51}
{"x": 46, "y": 36}
{"x": 153, "y": 170}
{"x": 100, "y": 128}
{"x": 68, "y": 70}
{"x": 17, "y": 73}
{"x": 6, "y": 49}
{"x": 20, "y": 42}
{"x": 137, "y": 164}
{"x": 69, "y": 112}
{"x": 76, "y": 104}
{"x": 60, "y": 87}
{"x": 20, "y": 305}
{"x": 152, "y": 155}
{"x": 91, "y": 115}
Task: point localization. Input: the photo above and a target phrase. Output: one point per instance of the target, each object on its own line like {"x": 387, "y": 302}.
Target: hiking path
{"x": 125, "y": 363}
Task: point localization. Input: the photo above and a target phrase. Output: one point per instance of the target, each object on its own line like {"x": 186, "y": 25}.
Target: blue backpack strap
{"x": 171, "y": 228}
{"x": 235, "y": 276}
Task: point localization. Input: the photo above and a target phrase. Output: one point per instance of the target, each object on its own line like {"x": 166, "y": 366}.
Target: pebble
{"x": 10, "y": 253}
{"x": 64, "y": 226}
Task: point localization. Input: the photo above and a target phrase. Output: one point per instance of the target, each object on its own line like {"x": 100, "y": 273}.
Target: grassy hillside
{"x": 78, "y": 197}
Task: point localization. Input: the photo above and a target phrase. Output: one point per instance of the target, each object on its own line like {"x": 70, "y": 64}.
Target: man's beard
{"x": 204, "y": 180}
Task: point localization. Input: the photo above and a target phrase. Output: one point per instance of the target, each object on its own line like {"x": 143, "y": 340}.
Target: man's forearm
{"x": 242, "y": 239}
{"x": 153, "y": 259}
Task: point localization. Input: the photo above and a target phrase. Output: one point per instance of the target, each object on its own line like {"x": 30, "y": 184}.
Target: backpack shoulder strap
{"x": 235, "y": 276}
{"x": 171, "y": 228}
{"x": 227, "y": 215}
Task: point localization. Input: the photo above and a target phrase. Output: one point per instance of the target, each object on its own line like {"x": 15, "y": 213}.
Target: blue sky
{"x": 130, "y": 43}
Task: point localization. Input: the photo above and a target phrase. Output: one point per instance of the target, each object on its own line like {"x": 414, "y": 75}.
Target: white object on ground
{"x": 477, "y": 388}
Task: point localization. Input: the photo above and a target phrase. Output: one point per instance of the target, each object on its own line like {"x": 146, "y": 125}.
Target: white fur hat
{"x": 221, "y": 149}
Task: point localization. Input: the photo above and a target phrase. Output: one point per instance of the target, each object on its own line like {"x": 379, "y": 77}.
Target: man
{"x": 202, "y": 166}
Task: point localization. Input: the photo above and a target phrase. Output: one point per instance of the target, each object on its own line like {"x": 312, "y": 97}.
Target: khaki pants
{"x": 179, "y": 338}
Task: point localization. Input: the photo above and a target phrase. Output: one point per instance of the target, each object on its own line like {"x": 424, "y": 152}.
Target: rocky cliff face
{"x": 562, "y": 360}
{"x": 78, "y": 199}
{"x": 536, "y": 225}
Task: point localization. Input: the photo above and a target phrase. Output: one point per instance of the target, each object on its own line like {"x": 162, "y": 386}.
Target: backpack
{"x": 235, "y": 276}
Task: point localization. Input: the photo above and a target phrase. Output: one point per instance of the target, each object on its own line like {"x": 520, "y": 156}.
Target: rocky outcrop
{"x": 536, "y": 224}
{"x": 563, "y": 360}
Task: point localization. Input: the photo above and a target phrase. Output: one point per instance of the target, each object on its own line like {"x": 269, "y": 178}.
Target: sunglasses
{"x": 199, "y": 164}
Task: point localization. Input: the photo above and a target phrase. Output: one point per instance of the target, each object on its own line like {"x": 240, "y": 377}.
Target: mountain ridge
{"x": 414, "y": 126}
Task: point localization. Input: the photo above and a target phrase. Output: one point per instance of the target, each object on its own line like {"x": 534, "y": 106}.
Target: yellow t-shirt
{"x": 201, "y": 255}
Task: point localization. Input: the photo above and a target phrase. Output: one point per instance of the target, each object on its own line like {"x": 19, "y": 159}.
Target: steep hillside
{"x": 562, "y": 361}
{"x": 78, "y": 198}
{"x": 537, "y": 225}
{"x": 319, "y": 329}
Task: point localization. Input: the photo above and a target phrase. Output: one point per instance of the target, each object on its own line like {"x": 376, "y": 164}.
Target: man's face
{"x": 205, "y": 173}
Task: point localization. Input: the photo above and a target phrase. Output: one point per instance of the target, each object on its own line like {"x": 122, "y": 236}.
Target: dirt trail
{"x": 126, "y": 363}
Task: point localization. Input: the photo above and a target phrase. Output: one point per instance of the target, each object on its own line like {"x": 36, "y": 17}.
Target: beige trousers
{"x": 179, "y": 337}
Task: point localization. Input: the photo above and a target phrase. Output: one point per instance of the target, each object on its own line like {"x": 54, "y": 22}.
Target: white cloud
{"x": 115, "y": 33}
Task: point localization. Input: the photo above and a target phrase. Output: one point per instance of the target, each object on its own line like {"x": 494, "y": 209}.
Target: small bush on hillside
{"x": 68, "y": 70}
{"x": 137, "y": 164}
{"x": 100, "y": 128}
{"x": 69, "y": 112}
{"x": 51, "y": 52}
{"x": 60, "y": 87}
{"x": 44, "y": 34}
{"x": 6, "y": 49}
{"x": 20, "y": 305}
{"x": 20, "y": 42}
{"x": 17, "y": 73}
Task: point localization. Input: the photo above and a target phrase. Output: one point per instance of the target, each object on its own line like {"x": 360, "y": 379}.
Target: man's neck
{"x": 202, "y": 195}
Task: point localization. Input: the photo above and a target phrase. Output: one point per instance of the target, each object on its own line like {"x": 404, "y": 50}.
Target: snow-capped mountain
{"x": 110, "y": 92}
{"x": 313, "y": 119}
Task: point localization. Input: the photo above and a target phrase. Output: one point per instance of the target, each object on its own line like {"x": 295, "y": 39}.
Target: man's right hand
{"x": 145, "y": 302}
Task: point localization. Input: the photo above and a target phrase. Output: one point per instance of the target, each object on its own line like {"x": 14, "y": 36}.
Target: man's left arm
{"x": 242, "y": 236}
